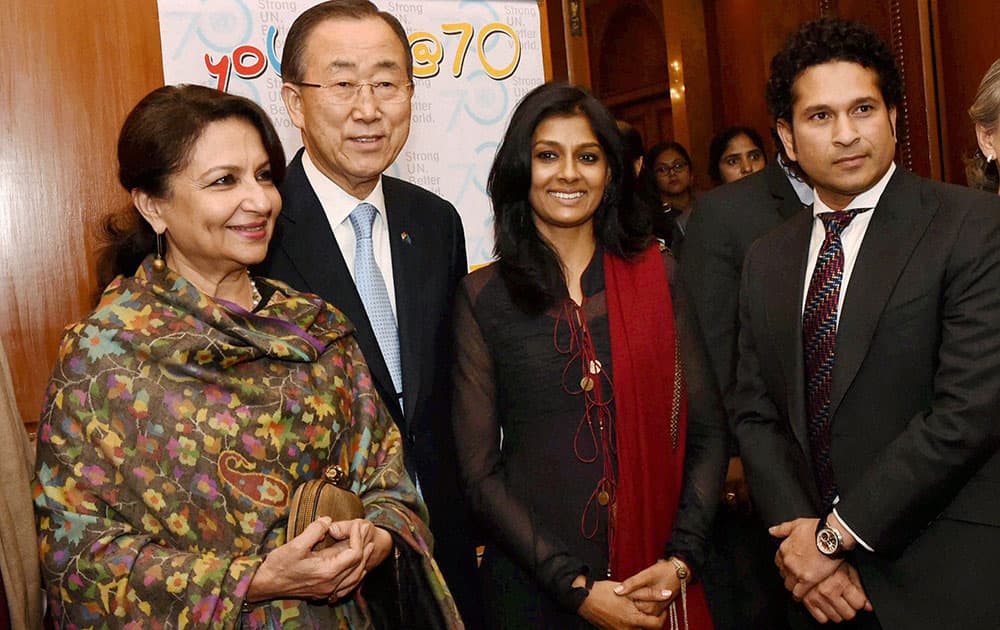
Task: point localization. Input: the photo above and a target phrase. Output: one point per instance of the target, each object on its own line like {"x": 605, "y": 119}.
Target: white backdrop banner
{"x": 473, "y": 61}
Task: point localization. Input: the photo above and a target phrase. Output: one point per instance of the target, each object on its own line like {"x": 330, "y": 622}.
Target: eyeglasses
{"x": 673, "y": 167}
{"x": 345, "y": 92}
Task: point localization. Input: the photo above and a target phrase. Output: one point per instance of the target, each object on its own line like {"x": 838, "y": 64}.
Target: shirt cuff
{"x": 851, "y": 531}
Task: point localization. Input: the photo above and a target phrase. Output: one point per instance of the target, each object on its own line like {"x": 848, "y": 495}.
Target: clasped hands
{"x": 830, "y": 589}
{"x": 641, "y": 601}
{"x": 295, "y": 571}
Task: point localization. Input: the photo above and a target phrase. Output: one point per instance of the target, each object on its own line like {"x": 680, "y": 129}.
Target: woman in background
{"x": 184, "y": 411}
{"x": 599, "y": 495}
{"x": 734, "y": 154}
{"x": 981, "y": 169}
{"x": 669, "y": 178}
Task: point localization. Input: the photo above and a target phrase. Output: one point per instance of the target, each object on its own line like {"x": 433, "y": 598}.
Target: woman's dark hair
{"x": 528, "y": 264}
{"x": 985, "y": 111}
{"x": 631, "y": 142}
{"x": 721, "y": 141}
{"x": 154, "y": 144}
{"x": 824, "y": 41}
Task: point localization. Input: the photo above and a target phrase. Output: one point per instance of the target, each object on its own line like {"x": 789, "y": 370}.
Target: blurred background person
{"x": 632, "y": 145}
{"x": 20, "y": 585}
{"x": 735, "y": 153}
{"x": 743, "y": 590}
{"x": 669, "y": 179}
{"x": 187, "y": 407}
{"x": 570, "y": 347}
{"x": 981, "y": 169}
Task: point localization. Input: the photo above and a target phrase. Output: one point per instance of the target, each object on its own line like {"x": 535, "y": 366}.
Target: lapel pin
{"x": 406, "y": 238}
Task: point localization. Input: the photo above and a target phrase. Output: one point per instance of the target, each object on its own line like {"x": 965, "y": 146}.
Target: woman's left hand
{"x": 653, "y": 588}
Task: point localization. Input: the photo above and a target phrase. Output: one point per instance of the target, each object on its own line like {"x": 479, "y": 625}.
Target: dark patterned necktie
{"x": 819, "y": 339}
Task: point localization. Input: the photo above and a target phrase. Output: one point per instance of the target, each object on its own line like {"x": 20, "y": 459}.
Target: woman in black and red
{"x": 592, "y": 459}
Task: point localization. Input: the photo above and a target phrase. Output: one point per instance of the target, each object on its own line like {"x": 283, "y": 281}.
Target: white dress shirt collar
{"x": 802, "y": 190}
{"x": 338, "y": 203}
{"x": 867, "y": 199}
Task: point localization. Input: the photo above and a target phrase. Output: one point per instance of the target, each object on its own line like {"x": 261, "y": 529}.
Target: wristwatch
{"x": 828, "y": 540}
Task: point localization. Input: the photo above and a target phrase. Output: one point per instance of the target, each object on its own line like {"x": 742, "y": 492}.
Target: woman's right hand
{"x": 295, "y": 571}
{"x": 605, "y": 609}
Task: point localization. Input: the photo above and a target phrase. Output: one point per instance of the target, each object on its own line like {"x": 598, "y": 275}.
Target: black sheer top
{"x": 516, "y": 433}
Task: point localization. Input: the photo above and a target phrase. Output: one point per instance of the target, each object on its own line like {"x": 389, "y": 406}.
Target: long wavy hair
{"x": 528, "y": 264}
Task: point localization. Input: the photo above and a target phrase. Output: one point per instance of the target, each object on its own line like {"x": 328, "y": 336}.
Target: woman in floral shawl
{"x": 184, "y": 411}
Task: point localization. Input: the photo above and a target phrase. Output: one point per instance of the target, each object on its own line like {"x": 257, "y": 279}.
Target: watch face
{"x": 828, "y": 541}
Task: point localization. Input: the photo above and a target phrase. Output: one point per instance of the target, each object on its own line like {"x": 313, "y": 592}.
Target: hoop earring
{"x": 158, "y": 263}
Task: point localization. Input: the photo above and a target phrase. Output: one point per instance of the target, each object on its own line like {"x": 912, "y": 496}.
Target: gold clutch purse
{"x": 326, "y": 495}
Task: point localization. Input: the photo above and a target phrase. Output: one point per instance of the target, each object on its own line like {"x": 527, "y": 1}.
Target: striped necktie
{"x": 819, "y": 339}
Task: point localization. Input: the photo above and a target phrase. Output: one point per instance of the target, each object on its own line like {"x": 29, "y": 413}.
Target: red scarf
{"x": 650, "y": 468}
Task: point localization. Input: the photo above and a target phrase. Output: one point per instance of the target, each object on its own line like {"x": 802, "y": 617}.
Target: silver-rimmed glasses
{"x": 345, "y": 92}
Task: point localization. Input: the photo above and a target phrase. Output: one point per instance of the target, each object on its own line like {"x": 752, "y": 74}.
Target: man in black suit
{"x": 348, "y": 82}
{"x": 867, "y": 393}
{"x": 729, "y": 218}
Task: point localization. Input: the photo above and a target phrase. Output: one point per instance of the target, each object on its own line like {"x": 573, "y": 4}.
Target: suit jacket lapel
{"x": 785, "y": 317}
{"x": 900, "y": 220}
{"x": 781, "y": 188}
{"x": 407, "y": 265}
{"x": 310, "y": 245}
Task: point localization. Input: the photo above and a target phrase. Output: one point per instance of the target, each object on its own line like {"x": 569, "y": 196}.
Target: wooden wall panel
{"x": 968, "y": 34}
{"x": 627, "y": 50}
{"x": 71, "y": 70}
{"x": 690, "y": 77}
{"x": 628, "y": 60}
{"x": 898, "y": 23}
{"x": 744, "y": 36}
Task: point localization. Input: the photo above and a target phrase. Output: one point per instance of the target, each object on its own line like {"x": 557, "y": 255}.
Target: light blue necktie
{"x": 371, "y": 286}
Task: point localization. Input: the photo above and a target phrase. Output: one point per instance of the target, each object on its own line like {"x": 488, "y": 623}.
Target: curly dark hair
{"x": 528, "y": 265}
{"x": 824, "y": 41}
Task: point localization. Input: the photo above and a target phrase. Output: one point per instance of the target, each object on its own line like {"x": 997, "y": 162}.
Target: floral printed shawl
{"x": 175, "y": 430}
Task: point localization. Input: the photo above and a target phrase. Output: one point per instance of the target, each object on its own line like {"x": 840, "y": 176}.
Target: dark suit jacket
{"x": 726, "y": 221}
{"x": 427, "y": 266}
{"x": 915, "y": 402}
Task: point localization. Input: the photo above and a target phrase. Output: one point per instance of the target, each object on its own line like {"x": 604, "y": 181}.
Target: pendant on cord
{"x": 603, "y": 496}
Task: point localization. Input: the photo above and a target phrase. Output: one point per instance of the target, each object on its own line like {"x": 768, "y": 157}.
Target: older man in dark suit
{"x": 387, "y": 253}
{"x": 867, "y": 392}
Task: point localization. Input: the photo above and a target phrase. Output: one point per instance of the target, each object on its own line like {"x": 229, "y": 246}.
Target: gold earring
{"x": 158, "y": 263}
